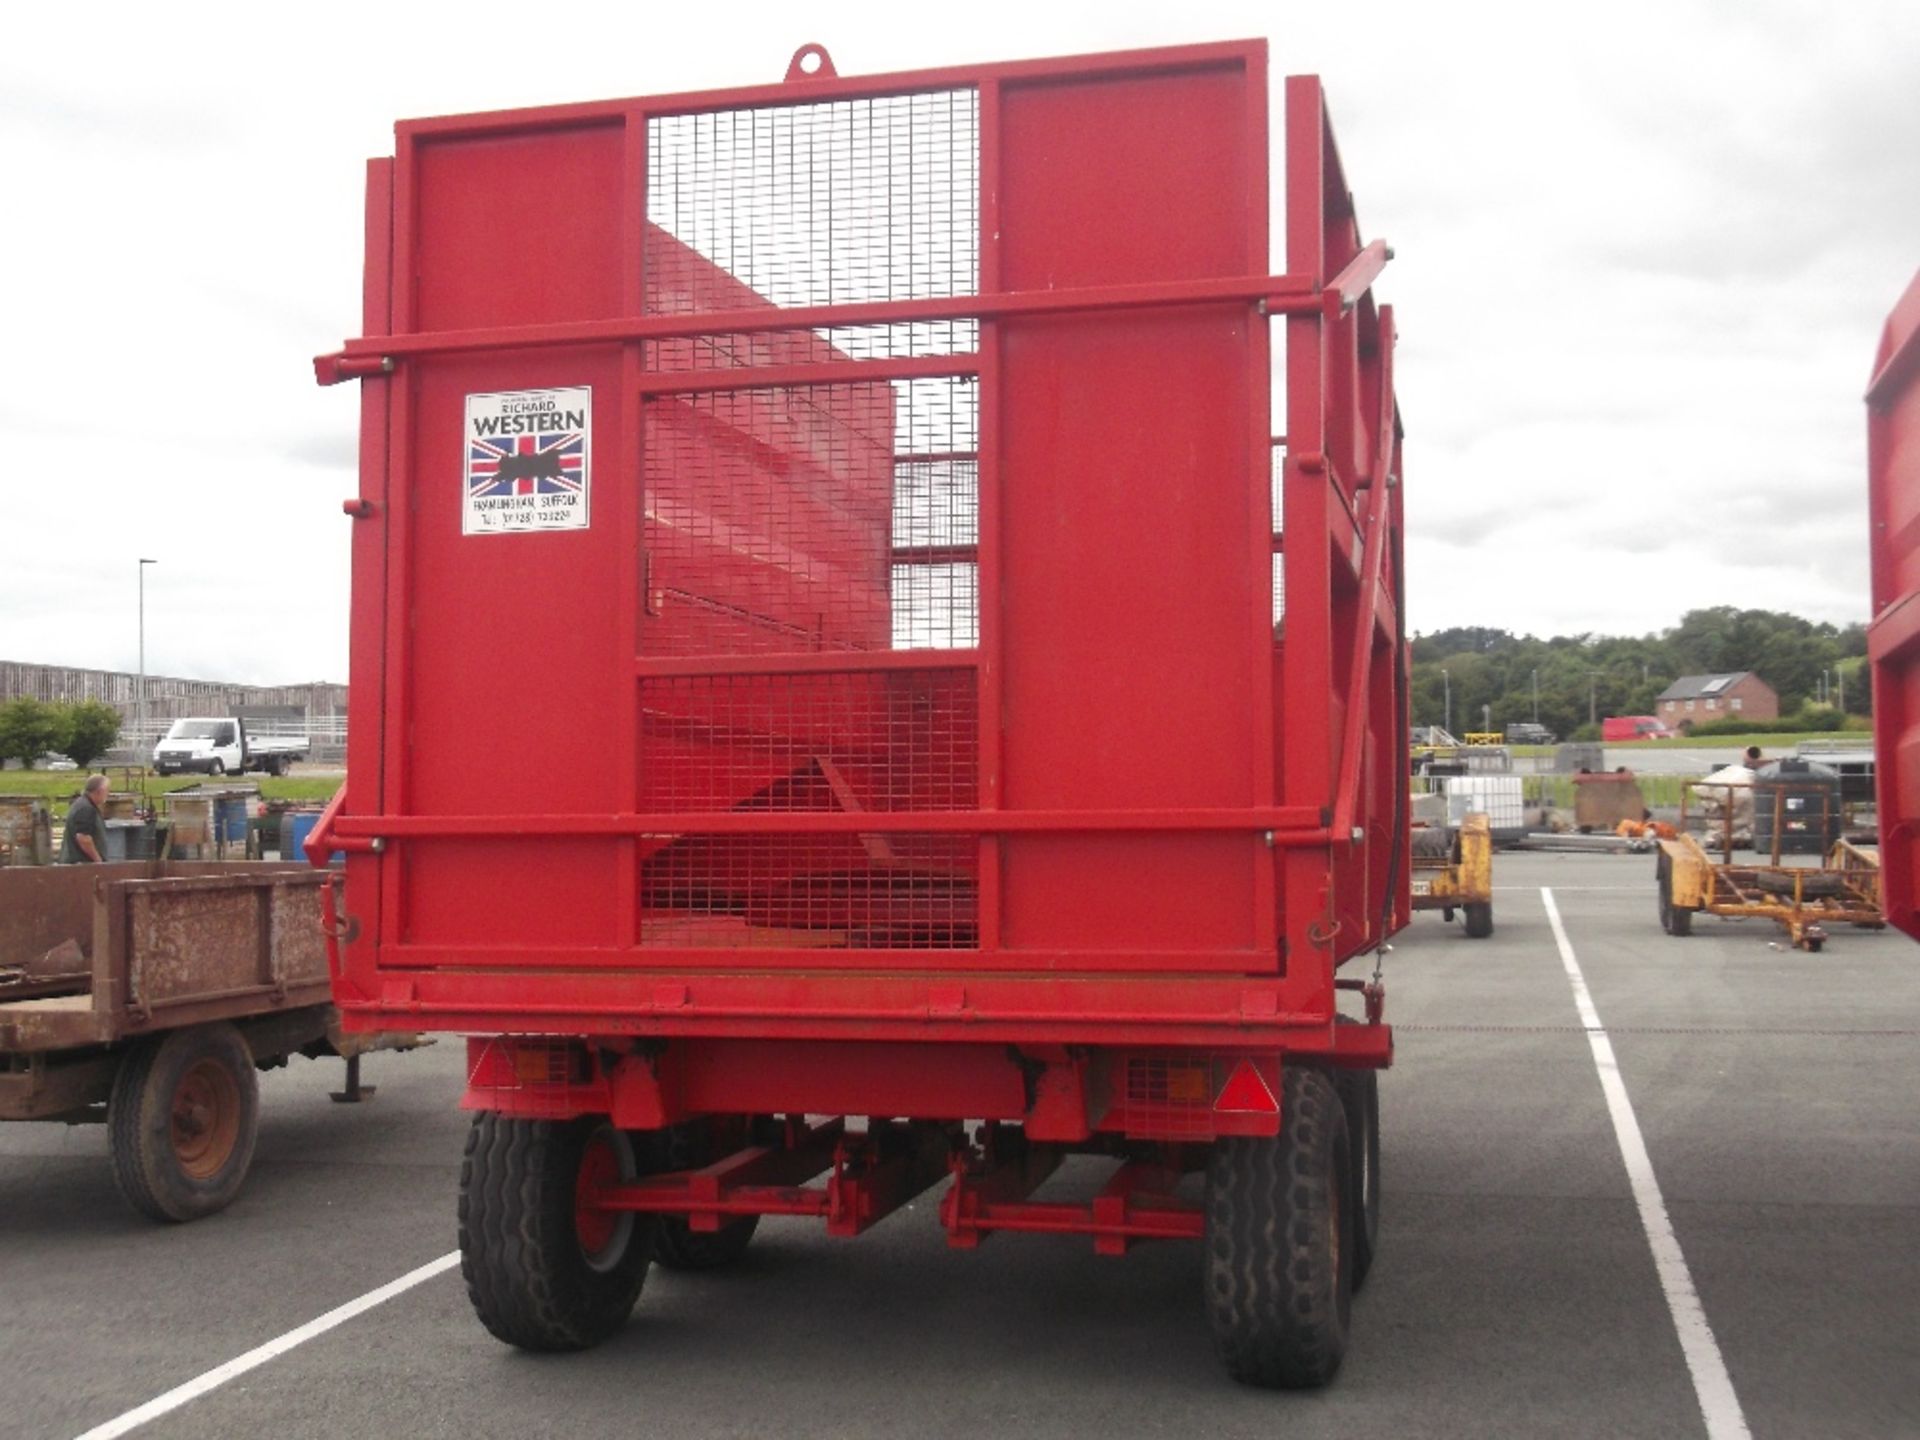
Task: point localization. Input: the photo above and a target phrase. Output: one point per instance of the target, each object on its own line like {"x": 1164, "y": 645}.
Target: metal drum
{"x": 1803, "y": 800}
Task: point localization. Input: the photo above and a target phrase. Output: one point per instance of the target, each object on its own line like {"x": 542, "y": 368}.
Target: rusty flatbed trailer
{"x": 145, "y": 996}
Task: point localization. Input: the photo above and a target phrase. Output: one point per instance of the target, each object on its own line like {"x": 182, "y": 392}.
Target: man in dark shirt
{"x": 86, "y": 842}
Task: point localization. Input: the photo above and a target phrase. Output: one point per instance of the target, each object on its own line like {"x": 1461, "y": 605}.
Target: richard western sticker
{"x": 527, "y": 461}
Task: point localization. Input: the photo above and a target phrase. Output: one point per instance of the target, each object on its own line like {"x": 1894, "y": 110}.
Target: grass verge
{"x": 63, "y": 785}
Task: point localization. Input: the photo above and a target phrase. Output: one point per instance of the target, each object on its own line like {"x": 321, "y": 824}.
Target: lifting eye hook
{"x": 811, "y": 62}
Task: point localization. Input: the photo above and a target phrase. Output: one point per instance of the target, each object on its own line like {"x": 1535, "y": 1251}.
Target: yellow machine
{"x": 1453, "y": 870}
{"x": 1844, "y": 888}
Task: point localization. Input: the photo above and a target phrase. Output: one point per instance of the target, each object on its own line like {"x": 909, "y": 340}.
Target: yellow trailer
{"x": 1844, "y": 889}
{"x": 1453, "y": 870}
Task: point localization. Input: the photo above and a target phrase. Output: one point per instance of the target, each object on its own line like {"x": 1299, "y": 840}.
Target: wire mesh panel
{"x": 812, "y": 518}
{"x": 823, "y": 204}
{"x": 818, "y": 743}
{"x": 856, "y": 740}
{"x": 811, "y": 891}
{"x": 837, "y": 517}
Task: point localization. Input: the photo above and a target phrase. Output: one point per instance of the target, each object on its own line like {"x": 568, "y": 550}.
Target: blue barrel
{"x": 230, "y": 818}
{"x": 295, "y": 826}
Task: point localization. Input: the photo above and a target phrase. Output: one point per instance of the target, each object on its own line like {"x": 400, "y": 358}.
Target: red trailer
{"x": 1893, "y": 639}
{"x": 869, "y": 487}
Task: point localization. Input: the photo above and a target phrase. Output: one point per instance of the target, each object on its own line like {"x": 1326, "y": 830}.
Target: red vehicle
{"x": 869, "y": 485}
{"x": 1893, "y": 639}
{"x": 1634, "y": 727}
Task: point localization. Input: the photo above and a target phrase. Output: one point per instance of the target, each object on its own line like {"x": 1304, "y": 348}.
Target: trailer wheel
{"x": 1674, "y": 919}
{"x": 676, "y": 1245}
{"x": 1279, "y": 1257}
{"x": 544, "y": 1270}
{"x": 1479, "y": 920}
{"x": 1360, "y": 1094}
{"x": 181, "y": 1121}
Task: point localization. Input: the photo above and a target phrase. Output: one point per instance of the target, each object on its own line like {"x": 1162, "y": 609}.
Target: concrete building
{"x": 319, "y": 709}
{"x": 1695, "y": 699}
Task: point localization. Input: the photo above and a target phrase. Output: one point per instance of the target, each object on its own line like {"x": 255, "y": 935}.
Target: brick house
{"x": 1695, "y": 699}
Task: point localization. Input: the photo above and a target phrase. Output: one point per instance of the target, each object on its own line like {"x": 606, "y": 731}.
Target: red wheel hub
{"x": 598, "y": 1228}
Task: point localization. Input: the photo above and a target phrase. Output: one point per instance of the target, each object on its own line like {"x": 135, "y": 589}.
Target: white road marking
{"x": 1713, "y": 1387}
{"x": 1642, "y": 888}
{"x": 220, "y": 1374}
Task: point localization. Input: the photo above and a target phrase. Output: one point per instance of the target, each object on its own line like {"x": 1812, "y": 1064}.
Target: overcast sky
{"x": 1643, "y": 257}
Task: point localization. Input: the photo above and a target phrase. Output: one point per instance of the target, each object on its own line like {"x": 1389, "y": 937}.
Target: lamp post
{"x": 140, "y": 694}
{"x": 1446, "y": 724}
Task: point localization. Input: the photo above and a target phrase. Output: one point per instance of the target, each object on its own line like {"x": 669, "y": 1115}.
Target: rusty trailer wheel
{"x": 546, "y": 1268}
{"x": 182, "y": 1121}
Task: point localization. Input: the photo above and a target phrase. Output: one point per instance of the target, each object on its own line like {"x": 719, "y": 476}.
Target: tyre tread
{"x": 1279, "y": 1318}
{"x": 519, "y": 1255}
{"x": 139, "y": 1139}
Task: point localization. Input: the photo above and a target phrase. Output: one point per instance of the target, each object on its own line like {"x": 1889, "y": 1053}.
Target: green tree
{"x": 1563, "y": 680}
{"x": 88, "y": 730}
{"x": 28, "y": 729}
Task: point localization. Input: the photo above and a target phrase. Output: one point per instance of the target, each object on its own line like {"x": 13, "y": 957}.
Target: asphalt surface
{"x": 1515, "y": 1293}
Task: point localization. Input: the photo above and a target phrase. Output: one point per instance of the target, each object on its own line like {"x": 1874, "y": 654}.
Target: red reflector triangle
{"x": 1246, "y": 1092}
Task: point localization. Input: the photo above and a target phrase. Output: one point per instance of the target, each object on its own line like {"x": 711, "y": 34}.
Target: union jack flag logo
{"x": 527, "y": 465}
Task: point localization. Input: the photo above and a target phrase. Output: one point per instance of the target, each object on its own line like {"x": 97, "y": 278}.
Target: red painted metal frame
{"x": 1893, "y": 639}
{"x": 1335, "y": 787}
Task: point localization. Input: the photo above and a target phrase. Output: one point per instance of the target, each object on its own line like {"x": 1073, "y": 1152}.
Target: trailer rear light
{"x": 1158, "y": 1080}
{"x": 1247, "y": 1092}
{"x": 548, "y": 1064}
{"x": 497, "y": 1063}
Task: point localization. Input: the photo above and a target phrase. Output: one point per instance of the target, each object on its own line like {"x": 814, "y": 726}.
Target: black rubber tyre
{"x": 218, "y": 767}
{"x": 675, "y": 1245}
{"x": 1814, "y": 946}
{"x": 678, "y": 1248}
{"x": 1360, "y": 1094}
{"x": 182, "y": 1120}
{"x": 530, "y": 1274}
{"x": 1279, "y": 1273}
{"x": 1479, "y": 920}
{"x": 1676, "y": 920}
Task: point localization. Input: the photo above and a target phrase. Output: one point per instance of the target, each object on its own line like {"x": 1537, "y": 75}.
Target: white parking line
{"x": 1719, "y": 1406}
{"x": 220, "y": 1374}
{"x": 1642, "y": 888}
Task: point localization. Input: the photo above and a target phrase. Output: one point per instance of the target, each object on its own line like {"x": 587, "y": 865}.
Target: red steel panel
{"x": 1123, "y": 465}
{"x": 1893, "y": 481}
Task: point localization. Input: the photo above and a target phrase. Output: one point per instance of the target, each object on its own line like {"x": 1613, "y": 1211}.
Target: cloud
{"x": 1643, "y": 258}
